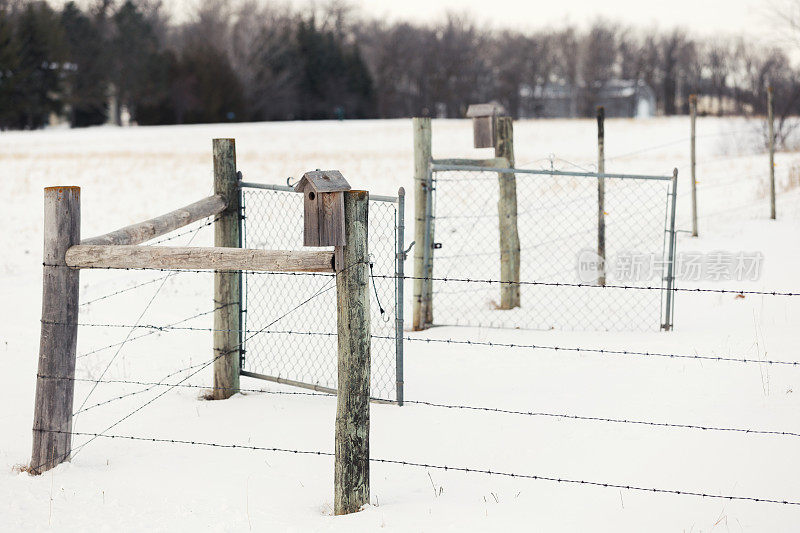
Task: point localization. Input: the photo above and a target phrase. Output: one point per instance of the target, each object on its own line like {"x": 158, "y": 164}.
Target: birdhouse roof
{"x": 492, "y": 109}
{"x": 323, "y": 181}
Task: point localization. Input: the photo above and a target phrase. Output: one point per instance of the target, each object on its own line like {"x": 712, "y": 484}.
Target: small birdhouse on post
{"x": 483, "y": 127}
{"x": 323, "y": 207}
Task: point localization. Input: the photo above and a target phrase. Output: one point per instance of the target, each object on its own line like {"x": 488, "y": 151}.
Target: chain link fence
{"x": 301, "y": 348}
{"x": 557, "y": 220}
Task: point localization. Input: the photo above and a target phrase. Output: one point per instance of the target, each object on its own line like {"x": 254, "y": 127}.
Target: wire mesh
{"x": 558, "y": 230}
{"x": 274, "y": 220}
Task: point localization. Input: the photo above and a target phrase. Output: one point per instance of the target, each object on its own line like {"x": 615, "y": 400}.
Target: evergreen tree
{"x": 37, "y": 81}
{"x": 138, "y": 67}
{"x": 9, "y": 66}
{"x": 86, "y": 74}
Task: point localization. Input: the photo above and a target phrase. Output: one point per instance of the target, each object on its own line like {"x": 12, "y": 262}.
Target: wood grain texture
{"x": 331, "y": 219}
{"x": 59, "y": 333}
{"x": 351, "y": 463}
{"x": 310, "y": 217}
{"x": 227, "y": 285}
{"x": 155, "y": 227}
{"x": 507, "y": 212}
{"x": 191, "y": 258}
{"x": 422, "y": 159}
{"x": 483, "y": 132}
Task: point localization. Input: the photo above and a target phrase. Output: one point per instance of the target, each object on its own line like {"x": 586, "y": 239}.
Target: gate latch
{"x": 404, "y": 253}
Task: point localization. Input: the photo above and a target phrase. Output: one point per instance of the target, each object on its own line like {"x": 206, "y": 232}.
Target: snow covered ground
{"x": 112, "y": 484}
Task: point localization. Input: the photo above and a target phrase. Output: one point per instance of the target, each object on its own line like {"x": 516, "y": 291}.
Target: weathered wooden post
{"x": 351, "y": 473}
{"x": 507, "y": 211}
{"x": 227, "y": 285}
{"x": 52, "y": 418}
{"x": 693, "y": 115}
{"x": 423, "y": 306}
{"x": 771, "y": 126}
{"x": 601, "y": 196}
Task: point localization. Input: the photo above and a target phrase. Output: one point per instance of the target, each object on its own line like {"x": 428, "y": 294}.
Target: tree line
{"x": 251, "y": 61}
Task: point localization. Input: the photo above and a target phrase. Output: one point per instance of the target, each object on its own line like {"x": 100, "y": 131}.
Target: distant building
{"x": 621, "y": 98}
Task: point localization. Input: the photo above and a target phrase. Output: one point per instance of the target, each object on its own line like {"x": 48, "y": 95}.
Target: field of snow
{"x": 127, "y": 175}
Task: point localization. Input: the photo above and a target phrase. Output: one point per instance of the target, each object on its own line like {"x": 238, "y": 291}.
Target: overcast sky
{"x": 701, "y": 16}
{"x": 753, "y": 18}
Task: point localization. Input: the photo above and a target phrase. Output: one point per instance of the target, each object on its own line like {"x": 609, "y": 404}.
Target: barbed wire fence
{"x": 385, "y": 278}
{"x": 179, "y": 379}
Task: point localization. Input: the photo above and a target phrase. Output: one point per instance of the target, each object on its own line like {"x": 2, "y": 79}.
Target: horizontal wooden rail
{"x": 155, "y": 227}
{"x": 494, "y": 162}
{"x": 180, "y": 258}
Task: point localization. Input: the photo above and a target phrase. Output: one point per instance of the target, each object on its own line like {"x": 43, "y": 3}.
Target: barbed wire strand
{"x": 121, "y": 291}
{"x": 443, "y": 467}
{"x": 77, "y": 449}
{"x": 426, "y": 403}
{"x": 475, "y": 343}
{"x": 469, "y": 280}
{"x": 115, "y": 293}
{"x": 155, "y": 330}
{"x": 141, "y": 315}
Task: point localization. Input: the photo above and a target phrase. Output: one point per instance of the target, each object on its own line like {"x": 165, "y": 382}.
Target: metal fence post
{"x": 601, "y": 196}
{"x": 771, "y": 126}
{"x": 670, "y": 307}
{"x": 351, "y": 462}
{"x": 398, "y": 291}
{"x": 693, "y": 114}
{"x": 422, "y": 159}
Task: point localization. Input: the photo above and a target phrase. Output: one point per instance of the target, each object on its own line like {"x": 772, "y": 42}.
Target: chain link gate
{"x": 301, "y": 349}
{"x": 557, "y": 220}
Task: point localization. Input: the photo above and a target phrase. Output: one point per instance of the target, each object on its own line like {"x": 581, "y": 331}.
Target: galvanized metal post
{"x": 670, "y": 307}
{"x": 771, "y": 126}
{"x": 601, "y": 197}
{"x": 243, "y": 277}
{"x": 398, "y": 291}
{"x": 693, "y": 114}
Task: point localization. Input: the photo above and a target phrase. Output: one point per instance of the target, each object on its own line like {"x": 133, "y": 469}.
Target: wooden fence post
{"x": 771, "y": 126}
{"x": 693, "y": 115}
{"x": 601, "y": 196}
{"x": 227, "y": 285}
{"x": 423, "y": 305}
{"x": 507, "y": 211}
{"x": 59, "y": 334}
{"x": 351, "y": 471}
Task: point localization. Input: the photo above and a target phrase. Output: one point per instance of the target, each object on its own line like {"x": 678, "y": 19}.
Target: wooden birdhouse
{"x": 483, "y": 127}
{"x": 323, "y": 207}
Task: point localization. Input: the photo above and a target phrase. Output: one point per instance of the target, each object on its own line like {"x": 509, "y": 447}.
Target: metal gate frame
{"x": 667, "y": 311}
{"x": 399, "y": 262}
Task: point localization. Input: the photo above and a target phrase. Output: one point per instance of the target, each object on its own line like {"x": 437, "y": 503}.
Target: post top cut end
{"x": 323, "y": 181}
{"x": 63, "y": 189}
{"x": 491, "y": 109}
